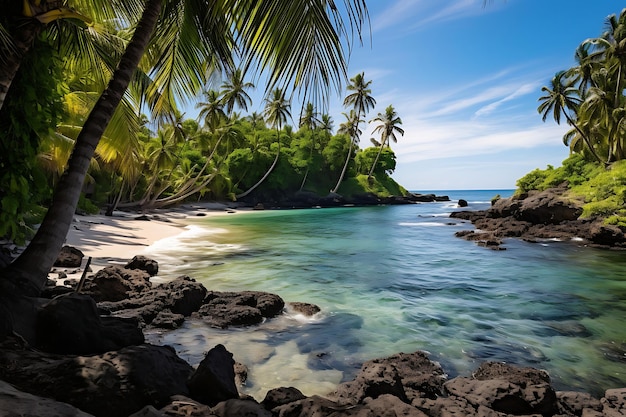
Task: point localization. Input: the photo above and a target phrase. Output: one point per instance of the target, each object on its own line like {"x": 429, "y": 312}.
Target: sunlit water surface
{"x": 395, "y": 279}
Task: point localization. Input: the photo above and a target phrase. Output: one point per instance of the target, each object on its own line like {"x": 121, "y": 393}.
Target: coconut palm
{"x": 277, "y": 110}
{"x": 234, "y": 92}
{"x": 388, "y": 127}
{"x": 361, "y": 101}
{"x": 189, "y": 37}
{"x": 211, "y": 110}
{"x": 559, "y": 99}
{"x": 309, "y": 120}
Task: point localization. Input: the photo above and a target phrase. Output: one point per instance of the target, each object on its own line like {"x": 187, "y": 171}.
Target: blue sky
{"x": 466, "y": 79}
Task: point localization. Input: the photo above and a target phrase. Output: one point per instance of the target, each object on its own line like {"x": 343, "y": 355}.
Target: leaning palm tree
{"x": 185, "y": 38}
{"x": 388, "y": 127}
{"x": 561, "y": 98}
{"x": 361, "y": 101}
{"x": 277, "y": 110}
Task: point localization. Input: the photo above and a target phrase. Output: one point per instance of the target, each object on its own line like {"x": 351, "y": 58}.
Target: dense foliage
{"x": 591, "y": 98}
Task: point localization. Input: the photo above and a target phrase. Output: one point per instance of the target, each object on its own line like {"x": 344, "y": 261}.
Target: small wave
{"x": 424, "y": 224}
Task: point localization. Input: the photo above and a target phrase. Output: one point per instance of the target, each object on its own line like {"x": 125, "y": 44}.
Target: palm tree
{"x": 388, "y": 128}
{"x": 560, "y": 98}
{"x": 234, "y": 92}
{"x": 212, "y": 110}
{"x": 361, "y": 101}
{"x": 309, "y": 120}
{"x": 191, "y": 34}
{"x": 277, "y": 110}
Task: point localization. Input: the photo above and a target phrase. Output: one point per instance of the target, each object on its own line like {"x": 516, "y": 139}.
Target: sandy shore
{"x": 116, "y": 239}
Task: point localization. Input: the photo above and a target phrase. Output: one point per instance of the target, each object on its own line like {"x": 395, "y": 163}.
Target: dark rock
{"x": 214, "y": 380}
{"x": 143, "y": 263}
{"x": 240, "y": 408}
{"x": 373, "y": 380}
{"x": 69, "y": 257}
{"x": 573, "y": 403}
{"x": 614, "y": 402}
{"x": 165, "y": 319}
{"x": 462, "y": 203}
{"x": 15, "y": 403}
{"x": 71, "y": 324}
{"x": 223, "y": 309}
{"x": 304, "y": 308}
{"x": 182, "y": 295}
{"x": 182, "y": 406}
{"x": 507, "y": 389}
{"x": 113, "y": 384}
{"x": 280, "y": 396}
{"x": 115, "y": 283}
{"x": 143, "y": 217}
{"x": 420, "y": 376}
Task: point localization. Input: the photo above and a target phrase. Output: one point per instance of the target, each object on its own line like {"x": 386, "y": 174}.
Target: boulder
{"x": 214, "y": 379}
{"x": 69, "y": 257}
{"x": 373, "y": 380}
{"x": 281, "y": 396}
{"x": 112, "y": 384}
{"x": 71, "y": 324}
{"x": 15, "y": 403}
{"x": 224, "y": 309}
{"x": 114, "y": 283}
{"x": 506, "y": 389}
{"x": 305, "y": 309}
{"x": 143, "y": 263}
{"x": 239, "y": 408}
{"x": 182, "y": 295}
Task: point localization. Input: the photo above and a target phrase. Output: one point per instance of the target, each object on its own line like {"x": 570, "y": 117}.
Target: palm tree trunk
{"x": 23, "y": 41}
{"x": 580, "y": 132}
{"x": 29, "y": 272}
{"x": 267, "y": 173}
{"x": 345, "y": 167}
{"x": 380, "y": 150}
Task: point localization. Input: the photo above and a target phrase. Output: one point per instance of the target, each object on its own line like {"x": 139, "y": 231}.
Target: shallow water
{"x": 395, "y": 279}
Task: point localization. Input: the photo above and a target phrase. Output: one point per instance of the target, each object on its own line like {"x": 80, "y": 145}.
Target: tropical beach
{"x": 299, "y": 209}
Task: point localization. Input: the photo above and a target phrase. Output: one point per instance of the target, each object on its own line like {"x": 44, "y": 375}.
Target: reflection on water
{"x": 395, "y": 279}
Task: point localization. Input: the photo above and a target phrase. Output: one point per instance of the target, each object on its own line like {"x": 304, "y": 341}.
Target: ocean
{"x": 392, "y": 279}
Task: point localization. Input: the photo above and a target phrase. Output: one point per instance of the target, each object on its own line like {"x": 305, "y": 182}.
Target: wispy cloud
{"x": 415, "y": 15}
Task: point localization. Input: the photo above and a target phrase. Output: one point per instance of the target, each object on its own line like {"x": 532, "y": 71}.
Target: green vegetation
{"x": 590, "y": 96}
{"x": 601, "y": 190}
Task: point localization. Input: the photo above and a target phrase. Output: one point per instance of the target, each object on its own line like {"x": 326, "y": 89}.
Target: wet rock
{"x": 143, "y": 263}
{"x": 224, "y": 309}
{"x": 304, "y": 308}
{"x": 182, "y": 295}
{"x": 214, "y": 380}
{"x": 165, "y": 319}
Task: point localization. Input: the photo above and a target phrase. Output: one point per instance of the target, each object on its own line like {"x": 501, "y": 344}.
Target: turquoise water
{"x": 395, "y": 279}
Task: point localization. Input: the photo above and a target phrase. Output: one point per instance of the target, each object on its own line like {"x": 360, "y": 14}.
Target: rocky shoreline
{"x": 86, "y": 355}
{"x": 536, "y": 216}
